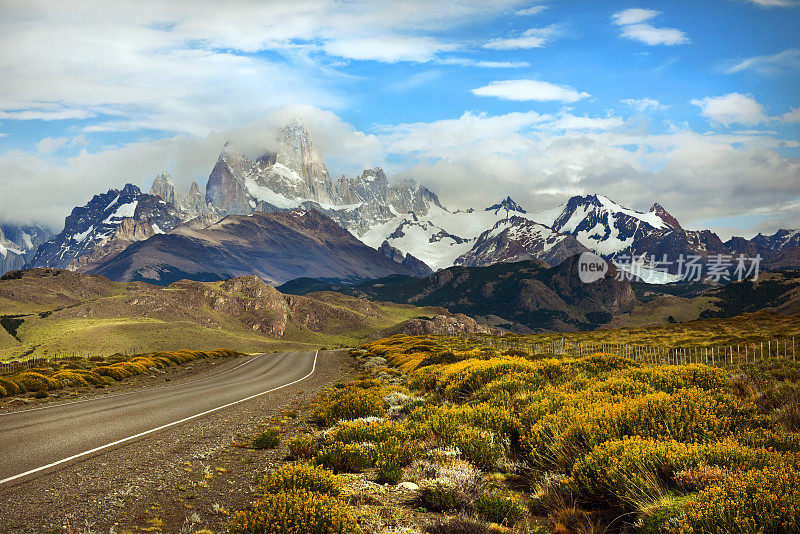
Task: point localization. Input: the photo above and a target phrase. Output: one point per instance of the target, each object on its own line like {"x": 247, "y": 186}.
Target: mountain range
{"x": 161, "y": 235}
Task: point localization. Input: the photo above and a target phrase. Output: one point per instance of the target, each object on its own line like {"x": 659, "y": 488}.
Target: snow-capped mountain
{"x": 18, "y": 244}
{"x": 604, "y": 226}
{"x": 780, "y": 240}
{"x": 614, "y": 231}
{"x": 518, "y": 239}
{"x": 403, "y": 220}
{"x": 296, "y": 177}
{"x": 105, "y": 225}
{"x": 439, "y": 236}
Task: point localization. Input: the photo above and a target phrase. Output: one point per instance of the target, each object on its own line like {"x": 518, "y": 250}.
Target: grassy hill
{"x": 55, "y": 312}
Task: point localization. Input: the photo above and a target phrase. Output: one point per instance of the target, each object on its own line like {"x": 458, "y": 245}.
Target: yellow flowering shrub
{"x": 760, "y": 501}
{"x": 299, "y": 512}
{"x": 628, "y": 472}
{"x": 296, "y": 477}
{"x": 365, "y": 430}
{"x": 662, "y": 442}
{"x": 352, "y": 402}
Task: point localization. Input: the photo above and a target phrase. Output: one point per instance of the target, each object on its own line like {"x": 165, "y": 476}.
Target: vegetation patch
{"x": 85, "y": 372}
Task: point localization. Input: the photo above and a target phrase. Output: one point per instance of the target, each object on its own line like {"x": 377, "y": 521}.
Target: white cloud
{"x": 769, "y": 64}
{"x": 46, "y": 115}
{"x": 483, "y": 64}
{"x": 387, "y": 48}
{"x": 538, "y": 159}
{"x": 633, "y": 16}
{"x": 774, "y": 3}
{"x": 696, "y": 176}
{"x": 191, "y": 66}
{"x": 791, "y": 116}
{"x": 733, "y": 108}
{"x": 48, "y": 145}
{"x": 572, "y": 122}
{"x": 533, "y": 10}
{"x": 633, "y": 22}
{"x": 644, "y": 104}
{"x": 653, "y": 36}
{"x": 37, "y": 187}
{"x": 524, "y": 90}
{"x": 531, "y": 38}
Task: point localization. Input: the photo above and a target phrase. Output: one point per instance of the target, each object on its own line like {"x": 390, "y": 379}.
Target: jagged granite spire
{"x": 163, "y": 187}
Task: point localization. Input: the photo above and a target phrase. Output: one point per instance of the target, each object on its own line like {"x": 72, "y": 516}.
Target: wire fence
{"x": 714, "y": 355}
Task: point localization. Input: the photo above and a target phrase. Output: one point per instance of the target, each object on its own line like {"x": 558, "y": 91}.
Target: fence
{"x": 714, "y": 355}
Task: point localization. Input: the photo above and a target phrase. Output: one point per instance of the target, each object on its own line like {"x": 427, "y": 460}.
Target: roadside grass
{"x": 98, "y": 372}
{"x": 548, "y": 443}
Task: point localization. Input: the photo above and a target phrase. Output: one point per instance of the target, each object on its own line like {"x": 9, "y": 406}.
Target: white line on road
{"x": 162, "y": 427}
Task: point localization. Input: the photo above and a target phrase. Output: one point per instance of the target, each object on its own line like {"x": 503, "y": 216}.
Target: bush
{"x": 701, "y": 476}
{"x": 296, "y": 512}
{"x": 71, "y": 379}
{"x": 33, "y": 381}
{"x": 441, "y": 495}
{"x": 117, "y": 373}
{"x": 269, "y": 439}
{"x": 688, "y": 415}
{"x": 295, "y": 477}
{"x": 759, "y": 501}
{"x": 367, "y": 430}
{"x": 302, "y": 447}
{"x": 499, "y": 508}
{"x": 479, "y": 447}
{"x": 343, "y": 458}
{"x": 11, "y": 387}
{"x": 632, "y": 471}
{"x": 352, "y": 402}
{"x": 388, "y": 460}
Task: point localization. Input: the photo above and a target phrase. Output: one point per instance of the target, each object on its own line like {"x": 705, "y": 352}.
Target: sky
{"x": 694, "y": 105}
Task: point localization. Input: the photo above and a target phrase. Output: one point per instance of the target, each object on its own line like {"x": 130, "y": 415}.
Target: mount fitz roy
{"x": 403, "y": 222}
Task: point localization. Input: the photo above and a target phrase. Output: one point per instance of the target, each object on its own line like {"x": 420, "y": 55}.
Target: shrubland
{"x": 98, "y": 372}
{"x": 548, "y": 443}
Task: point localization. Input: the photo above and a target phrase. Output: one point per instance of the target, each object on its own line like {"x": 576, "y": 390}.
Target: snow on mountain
{"x": 780, "y": 240}
{"x": 18, "y": 244}
{"x": 403, "y": 220}
{"x": 438, "y": 237}
{"x": 105, "y": 225}
{"x": 518, "y": 239}
{"x": 602, "y": 225}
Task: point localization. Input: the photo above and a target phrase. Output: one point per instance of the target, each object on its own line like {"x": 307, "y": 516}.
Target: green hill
{"x": 57, "y": 312}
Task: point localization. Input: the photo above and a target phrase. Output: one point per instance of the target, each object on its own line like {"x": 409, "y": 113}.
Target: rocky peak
{"x": 506, "y": 204}
{"x": 163, "y": 187}
{"x": 130, "y": 191}
{"x": 297, "y": 152}
{"x": 194, "y": 203}
{"x": 665, "y": 216}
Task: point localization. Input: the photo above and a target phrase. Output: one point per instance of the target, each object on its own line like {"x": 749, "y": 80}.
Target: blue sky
{"x": 690, "y": 104}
